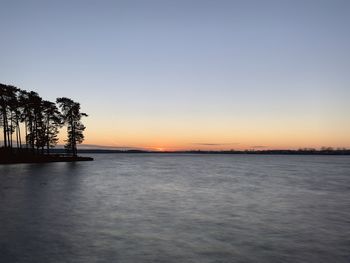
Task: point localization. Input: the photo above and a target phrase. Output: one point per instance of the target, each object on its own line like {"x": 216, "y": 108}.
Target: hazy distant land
{"x": 323, "y": 151}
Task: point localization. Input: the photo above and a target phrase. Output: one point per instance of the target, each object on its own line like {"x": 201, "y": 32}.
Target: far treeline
{"x": 30, "y": 123}
{"x": 305, "y": 151}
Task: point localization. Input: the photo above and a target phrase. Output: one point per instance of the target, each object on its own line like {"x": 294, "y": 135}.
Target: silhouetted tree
{"x": 72, "y": 117}
{"x": 53, "y": 120}
{"x": 42, "y": 120}
{"x": 15, "y": 116}
{"x": 3, "y": 108}
{"x": 7, "y": 107}
{"x": 36, "y": 123}
{"x": 23, "y": 99}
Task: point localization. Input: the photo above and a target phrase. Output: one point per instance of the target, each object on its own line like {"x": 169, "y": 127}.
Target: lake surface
{"x": 177, "y": 208}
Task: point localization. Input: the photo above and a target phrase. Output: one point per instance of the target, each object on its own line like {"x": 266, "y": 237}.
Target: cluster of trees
{"x": 29, "y": 122}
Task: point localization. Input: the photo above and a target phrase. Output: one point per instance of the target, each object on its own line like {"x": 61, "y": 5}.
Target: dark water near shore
{"x": 177, "y": 208}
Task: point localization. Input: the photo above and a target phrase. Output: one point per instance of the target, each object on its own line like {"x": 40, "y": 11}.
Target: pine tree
{"x": 72, "y": 117}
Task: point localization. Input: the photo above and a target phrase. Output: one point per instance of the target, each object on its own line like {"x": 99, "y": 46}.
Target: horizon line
{"x": 88, "y": 146}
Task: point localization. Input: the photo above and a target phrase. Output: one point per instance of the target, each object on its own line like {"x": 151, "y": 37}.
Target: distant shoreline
{"x": 57, "y": 155}
{"x": 256, "y": 152}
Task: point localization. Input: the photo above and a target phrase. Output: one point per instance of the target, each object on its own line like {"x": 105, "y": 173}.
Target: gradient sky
{"x": 188, "y": 74}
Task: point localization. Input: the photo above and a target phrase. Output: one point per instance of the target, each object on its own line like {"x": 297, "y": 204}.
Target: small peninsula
{"x": 30, "y": 127}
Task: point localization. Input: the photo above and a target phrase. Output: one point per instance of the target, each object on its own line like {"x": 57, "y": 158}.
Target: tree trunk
{"x": 11, "y": 130}
{"x": 35, "y": 139}
{"x": 74, "y": 146}
{"x": 4, "y": 127}
{"x": 26, "y": 131}
{"x": 8, "y": 133}
{"x": 19, "y": 135}
{"x": 48, "y": 135}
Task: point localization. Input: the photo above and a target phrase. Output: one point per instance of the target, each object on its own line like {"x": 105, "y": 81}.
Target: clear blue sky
{"x": 184, "y": 74}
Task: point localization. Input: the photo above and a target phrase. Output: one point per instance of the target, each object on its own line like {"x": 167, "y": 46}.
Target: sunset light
{"x": 175, "y": 131}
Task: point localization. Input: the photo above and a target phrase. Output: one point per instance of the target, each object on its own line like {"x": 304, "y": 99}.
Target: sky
{"x": 188, "y": 74}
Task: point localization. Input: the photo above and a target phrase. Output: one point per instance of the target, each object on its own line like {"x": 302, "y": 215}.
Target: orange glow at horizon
{"x": 178, "y": 75}
{"x": 206, "y": 133}
{"x": 238, "y": 140}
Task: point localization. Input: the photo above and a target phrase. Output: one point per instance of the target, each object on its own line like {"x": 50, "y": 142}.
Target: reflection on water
{"x": 177, "y": 208}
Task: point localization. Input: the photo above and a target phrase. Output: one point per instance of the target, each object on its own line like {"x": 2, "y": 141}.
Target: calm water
{"x": 177, "y": 208}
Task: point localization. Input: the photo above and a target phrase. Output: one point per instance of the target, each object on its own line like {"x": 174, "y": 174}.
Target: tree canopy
{"x": 24, "y": 114}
